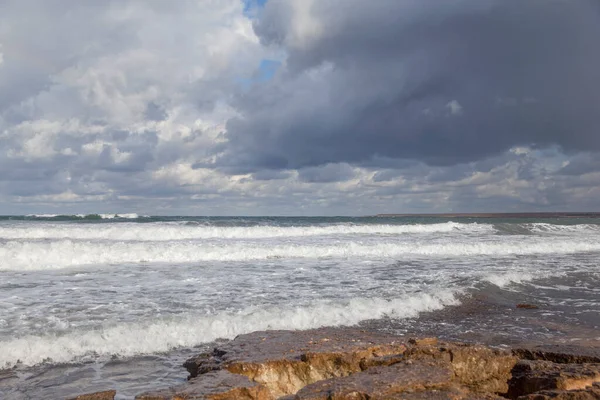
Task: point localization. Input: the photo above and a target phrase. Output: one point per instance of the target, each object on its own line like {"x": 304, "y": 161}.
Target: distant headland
{"x": 502, "y": 215}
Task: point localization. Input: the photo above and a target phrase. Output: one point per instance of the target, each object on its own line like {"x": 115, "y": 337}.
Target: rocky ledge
{"x": 340, "y": 364}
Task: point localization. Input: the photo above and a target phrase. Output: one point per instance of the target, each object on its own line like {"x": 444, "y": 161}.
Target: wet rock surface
{"x": 382, "y": 382}
{"x": 214, "y": 385}
{"x": 564, "y": 354}
{"x": 286, "y": 361}
{"x": 353, "y": 364}
{"x": 104, "y": 395}
{"x": 531, "y": 377}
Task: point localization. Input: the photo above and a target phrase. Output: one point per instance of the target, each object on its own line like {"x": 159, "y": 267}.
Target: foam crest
{"x": 124, "y": 216}
{"x": 162, "y": 335}
{"x": 87, "y": 216}
{"x": 35, "y": 255}
{"x": 505, "y": 279}
{"x": 166, "y": 232}
{"x": 540, "y": 227}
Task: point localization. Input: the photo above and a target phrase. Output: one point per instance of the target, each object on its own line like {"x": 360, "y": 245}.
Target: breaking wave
{"x": 157, "y": 336}
{"x": 177, "y": 231}
{"x": 35, "y": 255}
{"x": 507, "y": 278}
{"x": 553, "y": 228}
{"x": 85, "y": 216}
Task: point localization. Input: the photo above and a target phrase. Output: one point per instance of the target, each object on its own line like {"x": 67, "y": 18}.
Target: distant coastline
{"x": 502, "y": 215}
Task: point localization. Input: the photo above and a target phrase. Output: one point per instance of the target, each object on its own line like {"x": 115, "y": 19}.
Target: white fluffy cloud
{"x": 116, "y": 87}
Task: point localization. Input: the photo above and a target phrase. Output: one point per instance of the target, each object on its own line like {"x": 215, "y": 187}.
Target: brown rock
{"x": 560, "y": 354}
{"x": 480, "y": 368}
{"x": 382, "y": 361}
{"x": 527, "y": 306}
{"x": 446, "y": 394}
{"x": 286, "y": 361}
{"x": 534, "y": 376}
{"x": 589, "y": 394}
{"x": 343, "y": 363}
{"x": 215, "y": 385}
{"x": 259, "y": 347}
{"x": 105, "y": 395}
{"x": 423, "y": 341}
{"x": 382, "y": 382}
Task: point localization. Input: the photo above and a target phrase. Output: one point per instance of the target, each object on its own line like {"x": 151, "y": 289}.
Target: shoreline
{"x": 485, "y": 319}
{"x": 372, "y": 360}
{"x": 353, "y": 363}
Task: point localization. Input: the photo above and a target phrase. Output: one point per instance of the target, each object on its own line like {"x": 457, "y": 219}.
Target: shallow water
{"x": 89, "y": 303}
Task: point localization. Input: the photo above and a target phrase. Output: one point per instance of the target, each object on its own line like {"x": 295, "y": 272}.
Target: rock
{"x": 105, "y": 395}
{"x": 423, "y": 341}
{"x": 527, "y": 306}
{"x": 452, "y": 394}
{"x": 534, "y": 376}
{"x": 480, "y": 368}
{"x": 214, "y": 385}
{"x": 565, "y": 354}
{"x": 381, "y": 382}
{"x": 588, "y": 394}
{"x": 286, "y": 361}
{"x": 352, "y": 364}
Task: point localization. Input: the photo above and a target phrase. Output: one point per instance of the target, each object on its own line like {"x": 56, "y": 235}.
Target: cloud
{"x": 358, "y": 88}
{"x": 327, "y": 174}
{"x": 299, "y": 107}
{"x": 106, "y": 93}
{"x": 269, "y": 174}
{"x": 581, "y": 164}
{"x": 454, "y": 107}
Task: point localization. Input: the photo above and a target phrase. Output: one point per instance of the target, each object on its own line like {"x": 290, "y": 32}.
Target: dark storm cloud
{"x": 269, "y": 175}
{"x": 582, "y": 164}
{"x": 440, "y": 82}
{"x": 326, "y": 174}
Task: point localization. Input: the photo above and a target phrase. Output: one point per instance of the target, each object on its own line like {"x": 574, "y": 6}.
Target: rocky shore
{"x": 353, "y": 364}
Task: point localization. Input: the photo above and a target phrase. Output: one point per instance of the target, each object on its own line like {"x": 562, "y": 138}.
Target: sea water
{"x": 91, "y": 302}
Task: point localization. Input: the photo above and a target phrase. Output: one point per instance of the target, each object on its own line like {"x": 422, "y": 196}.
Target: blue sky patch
{"x": 251, "y": 6}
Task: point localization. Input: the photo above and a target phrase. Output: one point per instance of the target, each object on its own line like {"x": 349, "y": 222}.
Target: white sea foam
{"x": 125, "y": 216}
{"x": 162, "y": 335}
{"x": 507, "y": 278}
{"x": 101, "y": 216}
{"x": 540, "y": 227}
{"x": 34, "y": 255}
{"x": 170, "y": 231}
{"x": 110, "y": 216}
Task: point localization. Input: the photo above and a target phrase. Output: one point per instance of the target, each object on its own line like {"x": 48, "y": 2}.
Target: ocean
{"x": 92, "y": 302}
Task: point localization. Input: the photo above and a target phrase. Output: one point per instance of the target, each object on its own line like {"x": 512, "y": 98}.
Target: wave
{"x": 184, "y": 230}
{"x": 36, "y": 255}
{"x": 176, "y": 231}
{"x": 540, "y": 227}
{"x": 85, "y": 216}
{"x": 507, "y": 278}
{"x": 545, "y": 228}
{"x": 163, "y": 335}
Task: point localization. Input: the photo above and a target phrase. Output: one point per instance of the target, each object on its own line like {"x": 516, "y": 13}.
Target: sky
{"x": 299, "y": 107}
